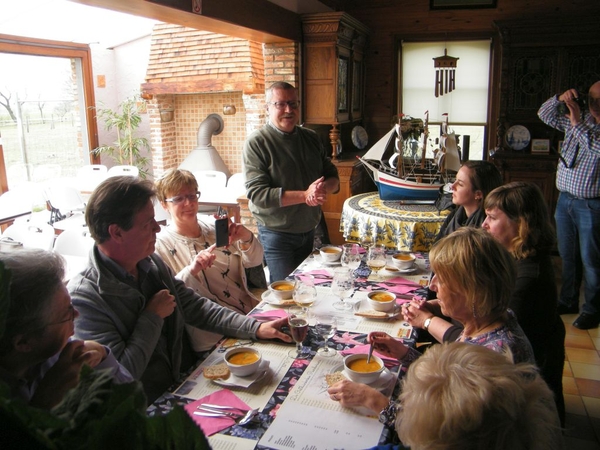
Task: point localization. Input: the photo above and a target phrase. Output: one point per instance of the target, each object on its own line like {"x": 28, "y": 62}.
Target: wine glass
{"x": 298, "y": 323}
{"x": 351, "y": 256}
{"x": 342, "y": 286}
{"x": 366, "y": 242}
{"x": 305, "y": 293}
{"x": 326, "y": 326}
{"x": 376, "y": 259}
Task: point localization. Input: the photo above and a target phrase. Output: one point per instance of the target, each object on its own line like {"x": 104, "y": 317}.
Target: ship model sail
{"x": 399, "y": 166}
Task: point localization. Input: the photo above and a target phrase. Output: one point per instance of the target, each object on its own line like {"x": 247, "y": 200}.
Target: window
{"x": 466, "y": 106}
{"x": 46, "y": 122}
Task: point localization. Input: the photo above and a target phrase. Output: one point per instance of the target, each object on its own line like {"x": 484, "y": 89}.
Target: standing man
{"x": 578, "y": 208}
{"x": 288, "y": 178}
{"x": 129, "y": 300}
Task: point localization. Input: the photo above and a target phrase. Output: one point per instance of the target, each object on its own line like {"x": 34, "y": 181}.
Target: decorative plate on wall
{"x": 518, "y": 137}
{"x": 359, "y": 137}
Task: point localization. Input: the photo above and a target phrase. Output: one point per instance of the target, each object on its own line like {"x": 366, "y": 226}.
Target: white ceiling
{"x": 62, "y": 20}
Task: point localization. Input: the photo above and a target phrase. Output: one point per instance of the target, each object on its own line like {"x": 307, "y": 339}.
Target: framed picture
{"x": 461, "y": 4}
{"x": 540, "y": 146}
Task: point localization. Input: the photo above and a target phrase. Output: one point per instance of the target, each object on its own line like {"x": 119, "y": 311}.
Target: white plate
{"x": 329, "y": 263}
{"x": 390, "y": 315}
{"x": 246, "y": 382}
{"x": 518, "y": 137}
{"x": 382, "y": 383}
{"x": 272, "y": 300}
{"x": 411, "y": 269}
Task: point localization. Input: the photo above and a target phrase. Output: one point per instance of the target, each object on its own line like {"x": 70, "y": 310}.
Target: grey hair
{"x": 282, "y": 85}
{"x": 35, "y": 277}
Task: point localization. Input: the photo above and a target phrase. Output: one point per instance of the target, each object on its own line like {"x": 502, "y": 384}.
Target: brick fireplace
{"x": 192, "y": 74}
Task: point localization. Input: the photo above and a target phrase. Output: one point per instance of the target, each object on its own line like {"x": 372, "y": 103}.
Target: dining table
{"x": 290, "y": 393}
{"x": 406, "y": 225}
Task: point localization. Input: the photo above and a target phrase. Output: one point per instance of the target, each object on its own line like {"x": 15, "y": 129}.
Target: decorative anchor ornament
{"x": 445, "y": 73}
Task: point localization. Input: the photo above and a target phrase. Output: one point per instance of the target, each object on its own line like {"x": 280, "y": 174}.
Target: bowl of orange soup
{"x": 330, "y": 253}
{"x": 359, "y": 371}
{"x": 282, "y": 290}
{"x": 404, "y": 260}
{"x": 243, "y": 361}
{"x": 381, "y": 300}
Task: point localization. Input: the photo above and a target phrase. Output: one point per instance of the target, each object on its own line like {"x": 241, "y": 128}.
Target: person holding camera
{"x": 578, "y": 209}
{"x": 188, "y": 246}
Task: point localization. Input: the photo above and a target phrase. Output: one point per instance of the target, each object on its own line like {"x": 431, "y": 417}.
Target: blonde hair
{"x": 461, "y": 396}
{"x": 524, "y": 204}
{"x": 471, "y": 262}
{"x": 173, "y": 181}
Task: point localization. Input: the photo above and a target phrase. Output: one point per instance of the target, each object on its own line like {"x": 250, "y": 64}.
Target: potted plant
{"x": 127, "y": 149}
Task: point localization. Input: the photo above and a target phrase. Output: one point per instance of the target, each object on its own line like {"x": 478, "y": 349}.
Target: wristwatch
{"x": 426, "y": 323}
{"x": 387, "y": 416}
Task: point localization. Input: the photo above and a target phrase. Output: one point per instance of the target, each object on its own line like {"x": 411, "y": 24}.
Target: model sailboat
{"x": 400, "y": 173}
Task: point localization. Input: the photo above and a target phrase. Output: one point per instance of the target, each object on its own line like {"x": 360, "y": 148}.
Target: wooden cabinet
{"x": 333, "y": 71}
{"x": 542, "y": 58}
{"x": 538, "y": 169}
{"x": 353, "y": 181}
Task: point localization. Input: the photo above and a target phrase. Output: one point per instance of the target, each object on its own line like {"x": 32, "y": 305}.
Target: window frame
{"x": 40, "y": 47}
{"x": 490, "y": 140}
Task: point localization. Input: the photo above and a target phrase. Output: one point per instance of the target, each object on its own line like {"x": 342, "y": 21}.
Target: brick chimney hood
{"x": 186, "y": 61}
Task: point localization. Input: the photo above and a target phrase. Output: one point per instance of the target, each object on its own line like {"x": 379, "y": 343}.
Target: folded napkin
{"x": 399, "y": 285}
{"x": 271, "y": 314}
{"x": 212, "y": 425}
{"x": 320, "y": 276}
{"x": 364, "y": 349}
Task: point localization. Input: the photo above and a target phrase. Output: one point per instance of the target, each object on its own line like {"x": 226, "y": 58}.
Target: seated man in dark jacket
{"x": 129, "y": 300}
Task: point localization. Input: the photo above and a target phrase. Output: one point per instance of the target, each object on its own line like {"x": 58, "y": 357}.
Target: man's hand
{"x": 61, "y": 377}
{"x": 162, "y": 304}
{"x": 271, "y": 330}
{"x": 203, "y": 260}
{"x": 91, "y": 353}
{"x": 316, "y": 194}
{"x": 574, "y": 111}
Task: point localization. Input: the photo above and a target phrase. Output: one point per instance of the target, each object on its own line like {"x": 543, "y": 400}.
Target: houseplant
{"x": 127, "y": 149}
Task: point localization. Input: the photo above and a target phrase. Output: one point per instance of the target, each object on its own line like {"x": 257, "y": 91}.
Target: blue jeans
{"x": 578, "y": 231}
{"x": 284, "y": 251}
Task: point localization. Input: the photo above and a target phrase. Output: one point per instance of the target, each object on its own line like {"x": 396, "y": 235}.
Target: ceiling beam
{"x": 254, "y": 20}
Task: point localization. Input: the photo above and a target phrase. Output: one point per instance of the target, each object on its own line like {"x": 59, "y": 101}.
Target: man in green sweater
{"x": 288, "y": 178}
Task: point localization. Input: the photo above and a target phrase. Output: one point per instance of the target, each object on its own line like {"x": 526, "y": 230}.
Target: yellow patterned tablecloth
{"x": 398, "y": 226}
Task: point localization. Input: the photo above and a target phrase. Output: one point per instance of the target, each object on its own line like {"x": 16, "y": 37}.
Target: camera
{"x": 563, "y": 109}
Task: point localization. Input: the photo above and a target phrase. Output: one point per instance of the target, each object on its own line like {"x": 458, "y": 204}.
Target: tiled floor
{"x": 581, "y": 385}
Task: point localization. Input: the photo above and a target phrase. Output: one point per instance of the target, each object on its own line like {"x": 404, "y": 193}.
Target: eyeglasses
{"x": 71, "y": 318}
{"x": 281, "y": 105}
{"x": 593, "y": 101}
{"x": 182, "y": 198}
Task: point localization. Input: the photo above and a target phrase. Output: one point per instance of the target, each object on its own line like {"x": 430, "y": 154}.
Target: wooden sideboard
{"x": 538, "y": 169}
{"x": 353, "y": 180}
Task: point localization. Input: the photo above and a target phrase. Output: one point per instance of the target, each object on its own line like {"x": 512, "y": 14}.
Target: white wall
{"x": 124, "y": 68}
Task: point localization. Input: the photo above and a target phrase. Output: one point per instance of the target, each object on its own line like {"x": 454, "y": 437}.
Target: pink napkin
{"x": 320, "y": 276}
{"x": 269, "y": 315}
{"x": 212, "y": 425}
{"x": 364, "y": 349}
{"x": 399, "y": 285}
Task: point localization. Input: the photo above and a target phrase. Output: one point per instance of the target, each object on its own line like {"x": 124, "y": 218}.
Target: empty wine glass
{"x": 326, "y": 327}
{"x": 342, "y": 285}
{"x": 366, "y": 242}
{"x": 298, "y": 323}
{"x": 305, "y": 293}
{"x": 376, "y": 259}
{"x": 351, "y": 256}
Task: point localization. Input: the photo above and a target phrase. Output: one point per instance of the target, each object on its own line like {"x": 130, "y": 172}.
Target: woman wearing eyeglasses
{"x": 187, "y": 245}
{"x": 39, "y": 361}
